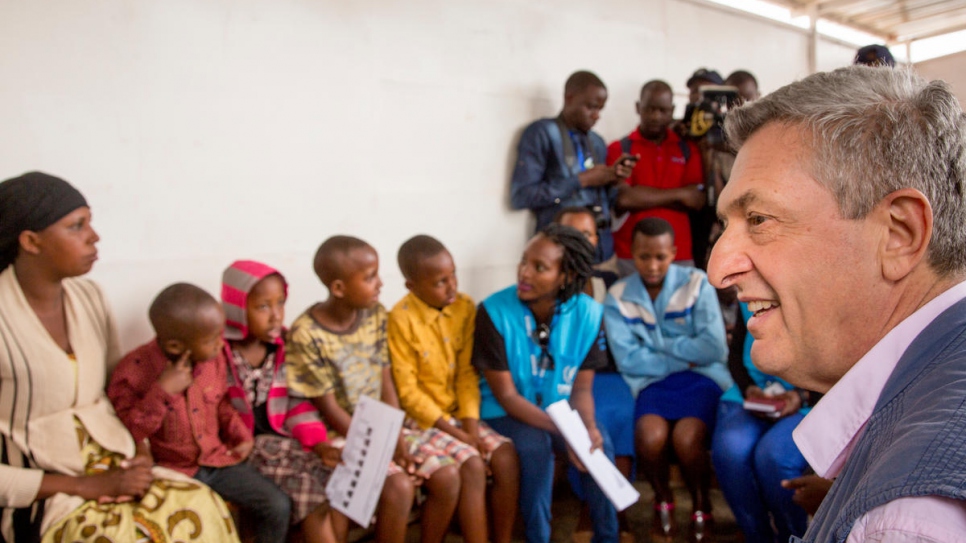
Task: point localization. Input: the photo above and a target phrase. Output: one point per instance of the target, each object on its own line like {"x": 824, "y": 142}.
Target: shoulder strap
{"x": 570, "y": 154}
{"x": 685, "y": 149}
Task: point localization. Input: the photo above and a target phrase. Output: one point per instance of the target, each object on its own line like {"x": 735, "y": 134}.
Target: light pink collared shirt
{"x": 828, "y": 433}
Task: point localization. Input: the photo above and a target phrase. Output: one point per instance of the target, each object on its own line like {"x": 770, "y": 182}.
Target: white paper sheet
{"x": 356, "y": 484}
{"x": 617, "y": 488}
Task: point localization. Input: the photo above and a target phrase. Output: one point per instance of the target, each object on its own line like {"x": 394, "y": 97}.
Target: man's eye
{"x": 756, "y": 220}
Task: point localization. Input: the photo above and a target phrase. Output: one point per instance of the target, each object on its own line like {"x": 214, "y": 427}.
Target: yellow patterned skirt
{"x": 170, "y": 511}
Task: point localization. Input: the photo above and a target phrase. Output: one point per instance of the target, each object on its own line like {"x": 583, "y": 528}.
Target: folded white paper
{"x": 617, "y": 488}
{"x": 356, "y": 483}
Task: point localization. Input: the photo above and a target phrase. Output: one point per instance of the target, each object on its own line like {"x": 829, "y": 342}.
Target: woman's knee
{"x": 690, "y": 439}
{"x": 651, "y": 434}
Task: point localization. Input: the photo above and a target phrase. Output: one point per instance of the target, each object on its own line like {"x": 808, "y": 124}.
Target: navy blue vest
{"x": 915, "y": 441}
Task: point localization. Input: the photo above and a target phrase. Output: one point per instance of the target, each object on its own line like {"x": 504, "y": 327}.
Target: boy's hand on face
{"x": 176, "y": 377}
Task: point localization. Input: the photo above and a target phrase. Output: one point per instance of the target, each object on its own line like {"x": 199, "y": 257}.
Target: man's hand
{"x": 242, "y": 450}
{"x": 176, "y": 377}
{"x": 625, "y": 165}
{"x": 810, "y": 490}
{"x": 601, "y": 176}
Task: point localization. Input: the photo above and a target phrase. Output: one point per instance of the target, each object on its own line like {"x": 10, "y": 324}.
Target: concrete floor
{"x": 566, "y": 515}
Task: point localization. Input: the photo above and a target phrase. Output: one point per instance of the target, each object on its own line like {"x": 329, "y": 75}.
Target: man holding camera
{"x": 561, "y": 162}
{"x": 666, "y": 181}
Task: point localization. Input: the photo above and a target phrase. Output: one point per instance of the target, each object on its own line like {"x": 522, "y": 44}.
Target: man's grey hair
{"x": 872, "y": 131}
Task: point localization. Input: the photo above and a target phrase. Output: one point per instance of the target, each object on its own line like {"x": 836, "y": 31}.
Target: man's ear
{"x": 409, "y": 284}
{"x": 337, "y": 288}
{"x": 29, "y": 242}
{"x": 907, "y": 217}
{"x": 173, "y": 347}
{"x": 637, "y": 107}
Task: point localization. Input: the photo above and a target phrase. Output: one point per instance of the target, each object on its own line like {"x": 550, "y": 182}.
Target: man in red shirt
{"x": 667, "y": 180}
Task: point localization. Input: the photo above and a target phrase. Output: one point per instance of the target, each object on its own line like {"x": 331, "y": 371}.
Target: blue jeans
{"x": 751, "y": 457}
{"x": 242, "y": 485}
{"x": 536, "y": 448}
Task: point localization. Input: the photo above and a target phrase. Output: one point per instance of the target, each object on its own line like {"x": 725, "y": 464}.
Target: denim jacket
{"x": 543, "y": 183}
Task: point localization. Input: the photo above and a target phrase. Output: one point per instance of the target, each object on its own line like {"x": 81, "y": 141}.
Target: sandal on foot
{"x": 664, "y": 519}
{"x": 701, "y": 526}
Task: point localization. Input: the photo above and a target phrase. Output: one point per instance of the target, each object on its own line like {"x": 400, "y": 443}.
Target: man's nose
{"x": 728, "y": 260}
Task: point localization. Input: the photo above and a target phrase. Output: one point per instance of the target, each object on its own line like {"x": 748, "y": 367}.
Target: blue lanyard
{"x": 584, "y": 163}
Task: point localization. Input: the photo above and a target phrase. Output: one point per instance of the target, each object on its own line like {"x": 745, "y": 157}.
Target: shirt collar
{"x": 669, "y": 137}
{"x": 827, "y": 434}
{"x": 424, "y": 311}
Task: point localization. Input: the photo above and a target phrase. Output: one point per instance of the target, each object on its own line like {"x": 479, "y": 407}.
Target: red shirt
{"x": 187, "y": 430}
{"x": 663, "y": 167}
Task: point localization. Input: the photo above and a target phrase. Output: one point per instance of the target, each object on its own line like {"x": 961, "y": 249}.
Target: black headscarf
{"x": 32, "y": 202}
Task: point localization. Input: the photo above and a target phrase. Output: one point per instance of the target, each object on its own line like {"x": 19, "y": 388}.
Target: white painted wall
{"x": 202, "y": 131}
{"x": 951, "y": 69}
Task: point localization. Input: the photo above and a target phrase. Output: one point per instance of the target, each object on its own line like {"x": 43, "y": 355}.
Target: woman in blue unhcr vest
{"x": 538, "y": 342}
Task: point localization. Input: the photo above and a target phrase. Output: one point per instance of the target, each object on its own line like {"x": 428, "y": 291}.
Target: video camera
{"x": 706, "y": 118}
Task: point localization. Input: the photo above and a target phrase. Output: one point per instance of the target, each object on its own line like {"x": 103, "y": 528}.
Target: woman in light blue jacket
{"x": 667, "y": 335}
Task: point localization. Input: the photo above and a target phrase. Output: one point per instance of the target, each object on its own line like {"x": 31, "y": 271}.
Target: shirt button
{"x": 556, "y": 200}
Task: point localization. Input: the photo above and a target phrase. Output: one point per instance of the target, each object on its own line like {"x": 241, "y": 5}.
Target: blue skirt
{"x": 681, "y": 395}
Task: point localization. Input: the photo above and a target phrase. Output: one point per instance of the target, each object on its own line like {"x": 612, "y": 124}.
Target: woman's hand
{"x": 126, "y": 483}
{"x": 596, "y": 439}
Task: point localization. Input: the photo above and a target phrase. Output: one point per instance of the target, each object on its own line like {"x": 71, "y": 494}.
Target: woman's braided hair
{"x": 577, "y": 262}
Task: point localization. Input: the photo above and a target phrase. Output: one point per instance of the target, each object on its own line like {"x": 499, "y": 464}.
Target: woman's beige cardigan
{"x": 41, "y": 394}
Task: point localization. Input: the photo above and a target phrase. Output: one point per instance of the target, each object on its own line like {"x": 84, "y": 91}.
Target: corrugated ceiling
{"x": 896, "y": 21}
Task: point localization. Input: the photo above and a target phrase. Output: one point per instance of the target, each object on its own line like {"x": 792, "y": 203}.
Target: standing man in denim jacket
{"x": 562, "y": 163}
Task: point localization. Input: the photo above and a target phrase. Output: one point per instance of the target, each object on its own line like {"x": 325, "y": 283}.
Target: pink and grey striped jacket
{"x": 296, "y": 418}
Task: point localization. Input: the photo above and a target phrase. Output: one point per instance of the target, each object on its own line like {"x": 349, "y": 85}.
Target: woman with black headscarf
{"x": 69, "y": 470}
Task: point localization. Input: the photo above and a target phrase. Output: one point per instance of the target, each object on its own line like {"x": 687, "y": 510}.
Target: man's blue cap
{"x": 874, "y": 55}
{"x": 704, "y": 74}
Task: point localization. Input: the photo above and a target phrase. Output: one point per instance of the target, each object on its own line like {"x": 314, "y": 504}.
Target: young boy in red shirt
{"x": 172, "y": 390}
